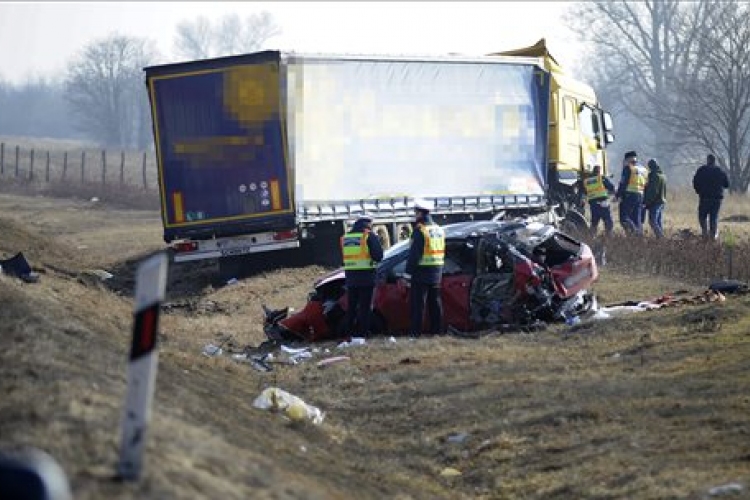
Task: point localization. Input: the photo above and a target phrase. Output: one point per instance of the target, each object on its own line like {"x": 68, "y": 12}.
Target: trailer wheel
{"x": 382, "y": 233}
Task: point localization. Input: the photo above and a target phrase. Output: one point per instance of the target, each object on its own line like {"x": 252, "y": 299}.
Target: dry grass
{"x": 648, "y": 406}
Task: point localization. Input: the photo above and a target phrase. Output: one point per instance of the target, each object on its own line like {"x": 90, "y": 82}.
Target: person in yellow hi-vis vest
{"x": 630, "y": 194}
{"x": 598, "y": 189}
{"x": 424, "y": 269}
{"x": 361, "y": 251}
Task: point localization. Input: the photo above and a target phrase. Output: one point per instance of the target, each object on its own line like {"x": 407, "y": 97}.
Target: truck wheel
{"x": 403, "y": 232}
{"x": 574, "y": 222}
{"x": 382, "y": 233}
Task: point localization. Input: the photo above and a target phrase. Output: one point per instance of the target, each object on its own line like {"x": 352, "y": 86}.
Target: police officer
{"x": 630, "y": 194}
{"x": 598, "y": 189}
{"x": 424, "y": 268}
{"x": 361, "y": 251}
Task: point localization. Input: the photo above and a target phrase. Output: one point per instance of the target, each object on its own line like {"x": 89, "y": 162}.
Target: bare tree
{"x": 194, "y": 40}
{"x": 104, "y": 87}
{"x": 716, "y": 111}
{"x": 230, "y": 35}
{"x": 639, "y": 50}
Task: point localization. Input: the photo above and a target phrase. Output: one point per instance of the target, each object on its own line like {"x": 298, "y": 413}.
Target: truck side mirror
{"x": 609, "y": 138}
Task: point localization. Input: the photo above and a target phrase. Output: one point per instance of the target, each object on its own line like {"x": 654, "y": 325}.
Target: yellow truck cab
{"x": 579, "y": 130}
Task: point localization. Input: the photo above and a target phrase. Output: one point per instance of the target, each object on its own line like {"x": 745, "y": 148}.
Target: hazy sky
{"x": 39, "y": 38}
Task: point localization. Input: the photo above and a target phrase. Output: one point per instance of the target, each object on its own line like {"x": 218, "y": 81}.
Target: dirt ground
{"x": 651, "y": 405}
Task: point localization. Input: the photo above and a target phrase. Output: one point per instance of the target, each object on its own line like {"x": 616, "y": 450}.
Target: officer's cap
{"x": 423, "y": 205}
{"x": 365, "y": 218}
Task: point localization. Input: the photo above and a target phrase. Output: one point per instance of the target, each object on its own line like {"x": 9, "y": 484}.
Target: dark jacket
{"x": 365, "y": 277}
{"x": 710, "y": 181}
{"x": 429, "y": 275}
{"x": 656, "y": 187}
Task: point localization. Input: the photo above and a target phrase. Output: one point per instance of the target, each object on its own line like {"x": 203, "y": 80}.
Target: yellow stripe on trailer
{"x": 275, "y": 194}
{"x": 179, "y": 211}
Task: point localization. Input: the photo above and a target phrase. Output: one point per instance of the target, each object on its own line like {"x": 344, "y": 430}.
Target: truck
{"x": 579, "y": 132}
{"x": 264, "y": 158}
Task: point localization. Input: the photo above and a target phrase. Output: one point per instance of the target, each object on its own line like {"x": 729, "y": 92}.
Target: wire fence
{"x": 134, "y": 169}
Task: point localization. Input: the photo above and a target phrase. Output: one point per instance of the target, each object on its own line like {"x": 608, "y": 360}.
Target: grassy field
{"x": 650, "y": 405}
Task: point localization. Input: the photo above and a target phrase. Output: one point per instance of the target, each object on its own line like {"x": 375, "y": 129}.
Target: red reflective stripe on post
{"x": 144, "y": 331}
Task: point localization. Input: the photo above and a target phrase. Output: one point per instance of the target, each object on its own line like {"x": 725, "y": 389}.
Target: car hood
{"x": 335, "y": 275}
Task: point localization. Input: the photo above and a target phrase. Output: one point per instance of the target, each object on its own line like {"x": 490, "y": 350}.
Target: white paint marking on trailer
{"x": 151, "y": 280}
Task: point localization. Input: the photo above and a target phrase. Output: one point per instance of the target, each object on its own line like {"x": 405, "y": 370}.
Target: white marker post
{"x": 150, "y": 285}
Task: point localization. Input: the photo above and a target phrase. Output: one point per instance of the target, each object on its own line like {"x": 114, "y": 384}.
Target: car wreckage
{"x": 498, "y": 275}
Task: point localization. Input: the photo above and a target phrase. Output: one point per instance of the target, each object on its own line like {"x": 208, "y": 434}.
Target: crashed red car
{"x": 496, "y": 274}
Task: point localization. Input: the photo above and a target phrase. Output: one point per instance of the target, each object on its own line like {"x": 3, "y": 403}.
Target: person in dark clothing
{"x": 361, "y": 251}
{"x": 424, "y": 268}
{"x": 630, "y": 194}
{"x": 709, "y": 183}
{"x": 598, "y": 189}
{"x": 655, "y": 197}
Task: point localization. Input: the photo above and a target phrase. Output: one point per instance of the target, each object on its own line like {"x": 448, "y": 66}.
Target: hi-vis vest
{"x": 434, "y": 245}
{"x": 594, "y": 187}
{"x": 637, "y": 181}
{"x": 356, "y": 252}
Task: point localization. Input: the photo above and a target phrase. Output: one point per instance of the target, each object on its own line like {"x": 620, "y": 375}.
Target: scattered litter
{"x": 102, "y": 274}
{"x": 458, "y": 437}
{"x": 330, "y": 361}
{"x": 572, "y": 320}
{"x": 392, "y": 339}
{"x": 409, "y": 361}
{"x": 275, "y": 399}
{"x": 212, "y": 350}
{"x": 729, "y": 286}
{"x": 352, "y": 342}
{"x": 88, "y": 276}
{"x": 94, "y": 199}
{"x": 726, "y": 489}
{"x": 19, "y": 267}
{"x": 450, "y": 472}
{"x": 293, "y": 350}
{"x": 232, "y": 281}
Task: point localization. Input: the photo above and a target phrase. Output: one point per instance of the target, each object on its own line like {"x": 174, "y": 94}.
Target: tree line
{"x": 102, "y": 97}
{"x": 676, "y": 76}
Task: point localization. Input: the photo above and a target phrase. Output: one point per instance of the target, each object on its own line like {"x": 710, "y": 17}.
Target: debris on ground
{"x": 726, "y": 489}
{"x": 19, "y": 267}
{"x": 329, "y": 361}
{"x": 294, "y": 408}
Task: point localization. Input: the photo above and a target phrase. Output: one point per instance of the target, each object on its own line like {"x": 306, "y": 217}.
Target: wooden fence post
{"x": 83, "y": 166}
{"x": 17, "y": 154}
{"x": 145, "y": 183}
{"x": 65, "y": 165}
{"x": 46, "y": 170}
{"x": 2, "y": 158}
{"x": 122, "y": 168}
{"x": 104, "y": 167}
{"x": 31, "y": 165}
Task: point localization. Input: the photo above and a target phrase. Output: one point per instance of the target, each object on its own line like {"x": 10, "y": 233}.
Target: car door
{"x": 392, "y": 296}
{"x": 458, "y": 272}
{"x": 492, "y": 290}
